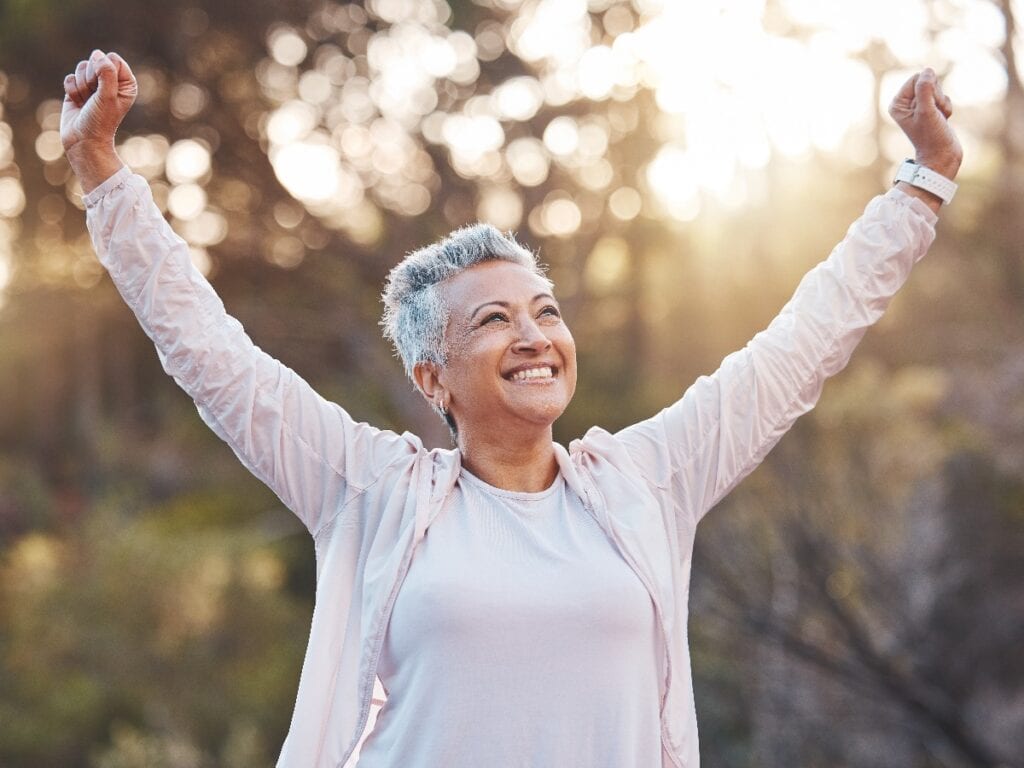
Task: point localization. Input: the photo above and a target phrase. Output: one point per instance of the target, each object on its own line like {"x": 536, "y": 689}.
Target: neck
{"x": 525, "y": 464}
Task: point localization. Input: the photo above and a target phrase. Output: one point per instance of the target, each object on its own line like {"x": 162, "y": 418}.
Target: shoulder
{"x": 603, "y": 453}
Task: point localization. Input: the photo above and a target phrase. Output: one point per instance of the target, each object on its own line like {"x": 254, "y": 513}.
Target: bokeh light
{"x": 658, "y": 152}
{"x": 734, "y": 84}
{"x": 187, "y": 161}
{"x": 625, "y": 203}
{"x": 186, "y": 201}
{"x": 286, "y": 46}
{"x": 501, "y": 207}
{"x": 12, "y": 197}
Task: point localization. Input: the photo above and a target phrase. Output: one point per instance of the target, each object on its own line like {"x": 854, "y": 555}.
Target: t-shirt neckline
{"x": 556, "y": 485}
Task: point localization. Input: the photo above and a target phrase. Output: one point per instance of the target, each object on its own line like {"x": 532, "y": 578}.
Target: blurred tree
{"x": 170, "y": 623}
{"x": 875, "y": 594}
{"x": 660, "y": 155}
{"x": 1001, "y": 216}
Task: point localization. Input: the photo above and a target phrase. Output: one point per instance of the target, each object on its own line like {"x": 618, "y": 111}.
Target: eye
{"x": 550, "y": 311}
{"x": 494, "y": 317}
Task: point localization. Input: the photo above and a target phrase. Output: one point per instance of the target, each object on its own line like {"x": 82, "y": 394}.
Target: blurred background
{"x": 857, "y": 602}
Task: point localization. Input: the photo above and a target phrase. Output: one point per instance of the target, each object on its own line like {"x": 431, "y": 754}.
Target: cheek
{"x": 568, "y": 345}
{"x": 469, "y": 362}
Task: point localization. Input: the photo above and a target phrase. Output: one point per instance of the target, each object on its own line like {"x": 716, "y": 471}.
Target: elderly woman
{"x": 521, "y": 604}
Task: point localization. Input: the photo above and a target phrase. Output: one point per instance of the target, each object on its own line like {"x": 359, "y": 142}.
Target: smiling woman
{"x": 512, "y": 362}
{"x": 518, "y": 603}
{"x": 480, "y": 333}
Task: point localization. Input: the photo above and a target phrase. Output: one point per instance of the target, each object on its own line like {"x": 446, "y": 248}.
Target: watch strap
{"x": 925, "y": 178}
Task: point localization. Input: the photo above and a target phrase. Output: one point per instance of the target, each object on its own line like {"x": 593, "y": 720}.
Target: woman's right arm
{"x": 309, "y": 451}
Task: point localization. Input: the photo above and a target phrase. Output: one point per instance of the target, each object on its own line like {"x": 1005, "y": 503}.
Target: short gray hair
{"x": 415, "y": 315}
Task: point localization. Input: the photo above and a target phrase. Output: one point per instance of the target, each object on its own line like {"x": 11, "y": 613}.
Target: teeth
{"x": 543, "y": 372}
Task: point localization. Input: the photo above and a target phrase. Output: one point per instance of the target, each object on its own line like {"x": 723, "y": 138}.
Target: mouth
{"x": 529, "y": 374}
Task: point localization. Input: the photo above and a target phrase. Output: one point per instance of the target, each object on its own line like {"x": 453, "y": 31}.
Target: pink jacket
{"x": 367, "y": 495}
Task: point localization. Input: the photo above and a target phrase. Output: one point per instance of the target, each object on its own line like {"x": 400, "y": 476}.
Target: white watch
{"x": 925, "y": 178}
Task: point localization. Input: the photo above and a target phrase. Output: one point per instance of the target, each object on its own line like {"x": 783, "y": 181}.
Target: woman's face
{"x": 511, "y": 359}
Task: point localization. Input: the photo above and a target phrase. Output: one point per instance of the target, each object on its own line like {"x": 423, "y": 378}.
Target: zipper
{"x": 403, "y": 568}
{"x": 364, "y": 711}
{"x": 657, "y": 608}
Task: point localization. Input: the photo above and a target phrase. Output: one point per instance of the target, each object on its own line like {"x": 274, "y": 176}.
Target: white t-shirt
{"x": 520, "y": 638}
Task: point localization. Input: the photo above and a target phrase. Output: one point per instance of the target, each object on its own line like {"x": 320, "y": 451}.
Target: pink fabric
{"x": 519, "y": 638}
{"x": 368, "y": 496}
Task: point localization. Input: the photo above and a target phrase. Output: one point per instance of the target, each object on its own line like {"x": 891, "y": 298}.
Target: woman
{"x": 522, "y": 604}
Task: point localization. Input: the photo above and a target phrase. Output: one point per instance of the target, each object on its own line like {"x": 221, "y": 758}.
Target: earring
{"x": 444, "y": 411}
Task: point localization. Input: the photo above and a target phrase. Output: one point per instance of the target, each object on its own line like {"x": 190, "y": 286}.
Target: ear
{"x": 428, "y": 381}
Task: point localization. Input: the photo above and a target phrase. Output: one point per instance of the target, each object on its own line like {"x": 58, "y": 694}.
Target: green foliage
{"x": 188, "y": 632}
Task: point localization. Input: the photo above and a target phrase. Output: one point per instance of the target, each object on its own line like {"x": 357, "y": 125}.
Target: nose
{"x": 531, "y": 338}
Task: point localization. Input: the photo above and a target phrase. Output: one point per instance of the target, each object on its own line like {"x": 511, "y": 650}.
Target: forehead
{"x": 494, "y": 280}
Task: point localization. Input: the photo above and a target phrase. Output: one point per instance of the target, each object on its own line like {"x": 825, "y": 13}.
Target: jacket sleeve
{"x": 703, "y": 445}
{"x": 309, "y": 451}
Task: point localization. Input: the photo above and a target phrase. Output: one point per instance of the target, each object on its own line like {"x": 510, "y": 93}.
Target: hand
{"x": 97, "y": 96}
{"x": 922, "y": 111}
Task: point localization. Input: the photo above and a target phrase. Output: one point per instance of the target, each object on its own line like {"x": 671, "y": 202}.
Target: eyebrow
{"x": 506, "y": 305}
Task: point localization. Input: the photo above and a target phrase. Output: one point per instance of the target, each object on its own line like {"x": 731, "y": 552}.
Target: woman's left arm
{"x": 724, "y": 425}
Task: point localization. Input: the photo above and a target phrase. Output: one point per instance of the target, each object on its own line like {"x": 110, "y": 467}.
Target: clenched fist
{"x": 922, "y": 111}
{"x": 97, "y": 96}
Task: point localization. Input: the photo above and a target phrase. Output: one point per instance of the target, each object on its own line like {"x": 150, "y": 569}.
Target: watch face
{"x": 907, "y": 172}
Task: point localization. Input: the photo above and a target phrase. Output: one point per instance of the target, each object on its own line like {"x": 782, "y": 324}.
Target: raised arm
{"x": 721, "y": 429}
{"x": 309, "y": 451}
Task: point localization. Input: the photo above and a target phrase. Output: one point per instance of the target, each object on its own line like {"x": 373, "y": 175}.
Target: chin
{"x": 546, "y": 413}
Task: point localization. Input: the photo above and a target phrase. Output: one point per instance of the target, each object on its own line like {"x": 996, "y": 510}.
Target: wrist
{"x": 947, "y": 165}
{"x": 924, "y": 182}
{"x": 932, "y": 201}
{"x": 93, "y": 162}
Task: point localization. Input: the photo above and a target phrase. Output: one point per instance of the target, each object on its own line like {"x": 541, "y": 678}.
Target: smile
{"x": 539, "y": 373}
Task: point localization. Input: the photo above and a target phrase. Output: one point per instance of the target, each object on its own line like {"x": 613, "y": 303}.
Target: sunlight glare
{"x": 186, "y": 201}
{"x": 310, "y": 172}
{"x": 437, "y": 57}
{"x": 12, "y": 197}
{"x": 979, "y": 79}
{"x": 518, "y": 98}
{"x": 187, "y": 160}
{"x": 291, "y": 121}
{"x": 286, "y": 46}
{"x": 735, "y": 82}
{"x": 672, "y": 178}
{"x": 471, "y": 137}
{"x": 598, "y": 69}
{"x": 562, "y": 136}
{"x": 556, "y": 29}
